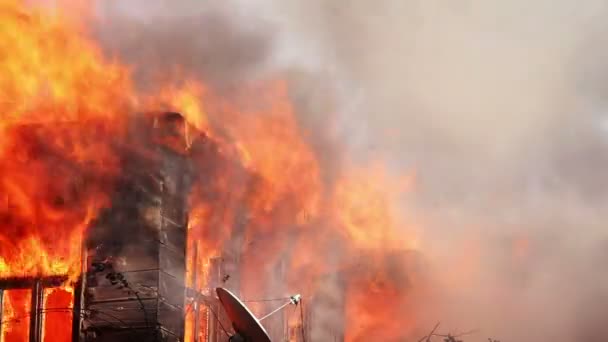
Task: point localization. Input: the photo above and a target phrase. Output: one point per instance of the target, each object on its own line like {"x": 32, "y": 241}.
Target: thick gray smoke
{"x": 498, "y": 107}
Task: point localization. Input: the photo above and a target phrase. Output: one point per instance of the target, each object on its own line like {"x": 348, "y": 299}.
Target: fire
{"x": 65, "y": 111}
{"x": 186, "y": 98}
{"x": 277, "y": 151}
{"x": 379, "y": 291}
{"x": 379, "y": 281}
{"x": 61, "y": 103}
{"x": 366, "y": 206}
{"x": 282, "y": 194}
{"x": 15, "y": 319}
{"x": 197, "y": 265}
{"x": 259, "y": 129}
{"x": 57, "y": 314}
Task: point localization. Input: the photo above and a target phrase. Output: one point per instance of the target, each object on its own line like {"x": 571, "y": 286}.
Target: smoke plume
{"x": 496, "y": 106}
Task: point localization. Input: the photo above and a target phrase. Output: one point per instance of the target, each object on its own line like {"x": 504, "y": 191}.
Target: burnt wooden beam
{"x": 1, "y": 309}
{"x": 77, "y": 309}
{"x": 195, "y": 303}
{"x": 17, "y": 283}
{"x": 212, "y": 323}
{"x": 36, "y": 311}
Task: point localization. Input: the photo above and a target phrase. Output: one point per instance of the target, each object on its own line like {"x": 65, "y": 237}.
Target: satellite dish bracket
{"x": 247, "y": 327}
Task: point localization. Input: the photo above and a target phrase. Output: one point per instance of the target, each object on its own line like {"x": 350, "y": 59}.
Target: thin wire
{"x": 81, "y": 315}
{"x": 141, "y": 304}
{"x": 84, "y": 317}
{"x": 66, "y": 310}
{"x": 219, "y": 321}
{"x": 29, "y": 314}
{"x": 264, "y": 300}
{"x": 112, "y": 324}
{"x": 57, "y": 310}
{"x": 109, "y": 315}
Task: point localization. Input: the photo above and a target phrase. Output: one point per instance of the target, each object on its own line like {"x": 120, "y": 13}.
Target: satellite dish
{"x": 245, "y": 324}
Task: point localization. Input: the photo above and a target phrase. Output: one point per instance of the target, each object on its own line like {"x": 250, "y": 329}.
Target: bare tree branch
{"x": 428, "y": 337}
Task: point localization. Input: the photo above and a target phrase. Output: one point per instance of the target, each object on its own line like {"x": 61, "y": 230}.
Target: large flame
{"x": 64, "y": 115}
{"x": 57, "y": 315}
{"x": 15, "y": 318}
{"x": 61, "y": 104}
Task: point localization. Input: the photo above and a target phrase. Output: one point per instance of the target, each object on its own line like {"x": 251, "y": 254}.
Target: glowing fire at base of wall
{"x": 131, "y": 281}
{"x": 51, "y": 303}
{"x": 54, "y": 305}
{"x": 15, "y": 315}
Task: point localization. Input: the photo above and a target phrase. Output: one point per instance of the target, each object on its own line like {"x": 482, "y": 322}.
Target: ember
{"x": 140, "y": 215}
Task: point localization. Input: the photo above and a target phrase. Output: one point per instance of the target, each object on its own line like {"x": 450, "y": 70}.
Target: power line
{"x": 219, "y": 320}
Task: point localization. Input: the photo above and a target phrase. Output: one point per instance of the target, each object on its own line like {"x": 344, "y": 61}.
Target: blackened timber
{"x": 218, "y": 317}
{"x": 136, "y": 269}
{"x": 195, "y": 303}
{"x": 1, "y": 308}
{"x": 36, "y": 312}
{"x": 29, "y": 282}
{"x": 77, "y": 309}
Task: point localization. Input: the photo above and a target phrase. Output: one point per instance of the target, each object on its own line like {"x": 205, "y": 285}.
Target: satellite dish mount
{"x": 247, "y": 327}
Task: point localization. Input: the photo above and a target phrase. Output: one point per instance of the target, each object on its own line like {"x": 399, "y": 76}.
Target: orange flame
{"x": 58, "y": 303}
{"x": 15, "y": 318}
{"x": 366, "y": 207}
{"x": 61, "y": 101}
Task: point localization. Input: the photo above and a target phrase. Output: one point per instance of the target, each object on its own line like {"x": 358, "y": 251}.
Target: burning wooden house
{"x": 116, "y": 227}
{"x": 142, "y": 272}
{"x": 133, "y": 283}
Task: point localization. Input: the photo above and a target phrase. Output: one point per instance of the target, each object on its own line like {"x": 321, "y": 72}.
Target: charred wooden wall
{"x": 136, "y": 267}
